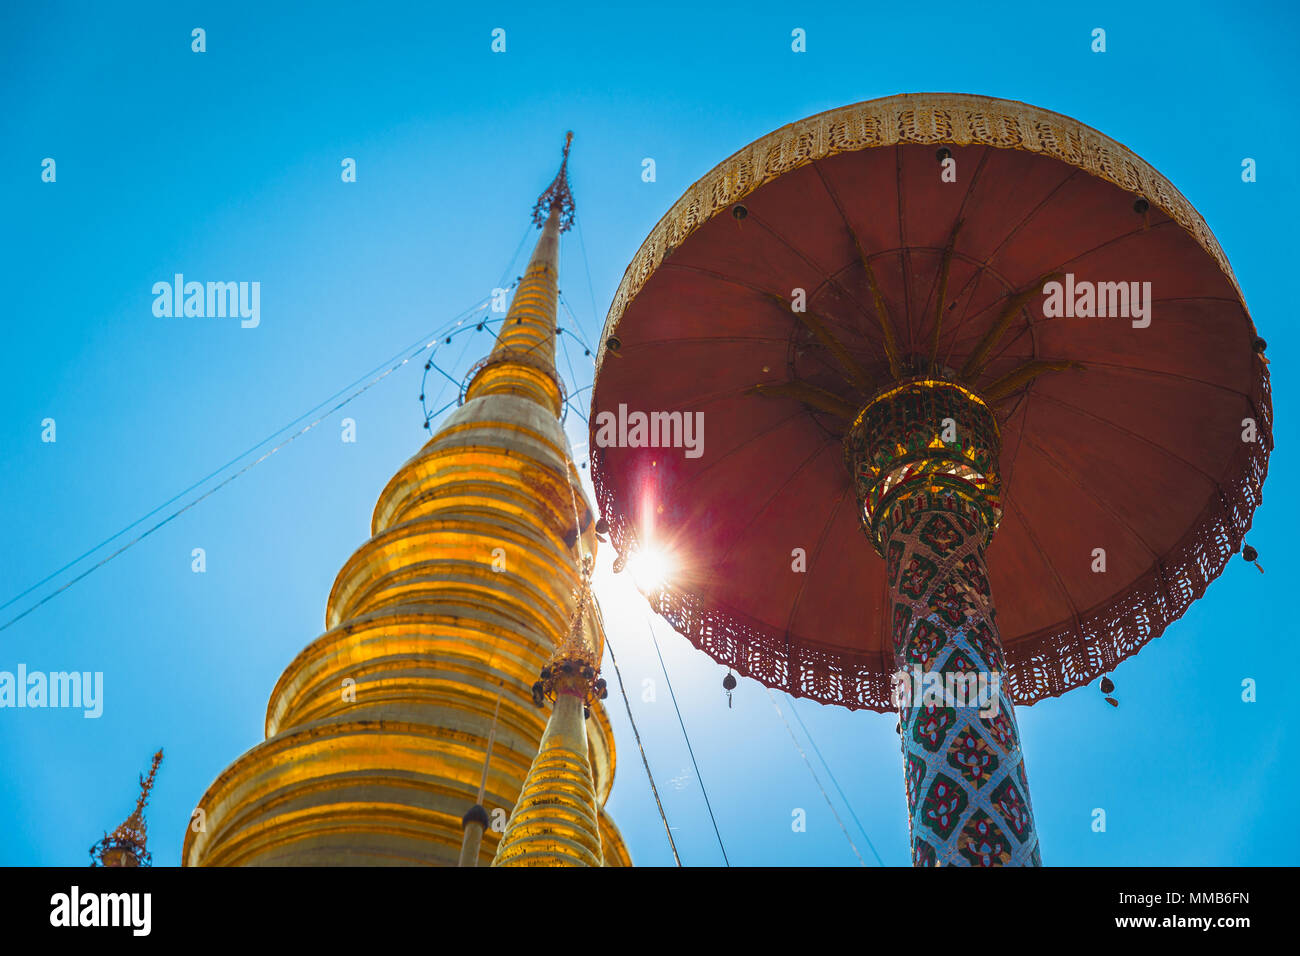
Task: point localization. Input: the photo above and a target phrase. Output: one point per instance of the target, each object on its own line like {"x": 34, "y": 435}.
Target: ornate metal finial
{"x": 126, "y": 845}
{"x": 557, "y": 194}
{"x": 573, "y": 668}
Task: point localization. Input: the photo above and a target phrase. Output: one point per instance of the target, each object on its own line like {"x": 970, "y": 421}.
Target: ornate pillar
{"x": 924, "y": 457}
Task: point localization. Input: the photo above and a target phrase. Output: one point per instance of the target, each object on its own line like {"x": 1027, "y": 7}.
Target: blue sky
{"x": 225, "y": 165}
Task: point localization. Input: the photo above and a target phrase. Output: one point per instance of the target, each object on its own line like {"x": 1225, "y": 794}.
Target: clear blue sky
{"x": 225, "y": 165}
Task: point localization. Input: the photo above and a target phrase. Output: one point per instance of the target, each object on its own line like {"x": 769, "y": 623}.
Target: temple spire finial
{"x": 558, "y": 194}
{"x": 126, "y": 846}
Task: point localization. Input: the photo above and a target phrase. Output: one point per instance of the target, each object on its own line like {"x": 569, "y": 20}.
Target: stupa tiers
{"x": 126, "y": 846}
{"x": 866, "y": 306}
{"x": 437, "y": 629}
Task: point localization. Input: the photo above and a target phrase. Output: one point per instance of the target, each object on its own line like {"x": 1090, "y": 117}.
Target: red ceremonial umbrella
{"x": 999, "y": 256}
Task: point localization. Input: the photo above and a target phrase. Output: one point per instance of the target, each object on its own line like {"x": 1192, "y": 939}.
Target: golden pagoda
{"x": 407, "y": 732}
{"x": 125, "y": 846}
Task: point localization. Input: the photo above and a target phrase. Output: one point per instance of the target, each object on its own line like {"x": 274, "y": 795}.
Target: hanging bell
{"x": 1250, "y": 554}
{"x": 1107, "y": 685}
{"x": 729, "y": 684}
{"x": 602, "y": 526}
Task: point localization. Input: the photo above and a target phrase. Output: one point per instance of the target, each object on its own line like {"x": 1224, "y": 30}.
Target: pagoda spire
{"x": 407, "y": 729}
{"x": 522, "y": 361}
{"x": 126, "y": 845}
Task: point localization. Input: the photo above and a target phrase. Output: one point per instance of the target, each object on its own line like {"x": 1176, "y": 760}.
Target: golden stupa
{"x": 409, "y": 733}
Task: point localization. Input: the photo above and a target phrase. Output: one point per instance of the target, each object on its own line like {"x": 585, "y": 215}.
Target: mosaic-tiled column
{"x": 924, "y": 457}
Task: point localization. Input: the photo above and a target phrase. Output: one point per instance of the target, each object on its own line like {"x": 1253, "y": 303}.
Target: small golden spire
{"x": 556, "y": 819}
{"x": 557, "y": 194}
{"x": 126, "y": 846}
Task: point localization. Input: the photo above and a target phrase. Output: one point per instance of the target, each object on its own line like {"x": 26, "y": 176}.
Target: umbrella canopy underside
{"x": 1136, "y": 451}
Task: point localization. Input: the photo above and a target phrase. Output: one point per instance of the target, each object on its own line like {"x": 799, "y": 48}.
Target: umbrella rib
{"x": 1011, "y": 307}
{"x": 902, "y": 238}
{"x": 722, "y": 277}
{"x": 988, "y": 260}
{"x": 818, "y": 398}
{"x": 853, "y": 373}
{"x": 1124, "y": 431}
{"x": 1008, "y": 473}
{"x": 857, "y": 376}
{"x": 835, "y": 201}
{"x": 1105, "y": 506}
{"x": 767, "y": 504}
{"x": 1029, "y": 533}
{"x": 1008, "y": 384}
{"x": 878, "y": 302}
{"x": 1133, "y": 369}
{"x": 947, "y": 261}
{"x": 1059, "y": 273}
{"x": 812, "y": 561}
{"x": 719, "y": 459}
{"x": 943, "y": 290}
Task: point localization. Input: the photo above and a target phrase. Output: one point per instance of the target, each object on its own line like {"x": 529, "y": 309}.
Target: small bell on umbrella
{"x": 729, "y": 684}
{"x": 1251, "y": 555}
{"x": 1108, "y": 687}
{"x": 602, "y": 526}
{"x": 1260, "y": 345}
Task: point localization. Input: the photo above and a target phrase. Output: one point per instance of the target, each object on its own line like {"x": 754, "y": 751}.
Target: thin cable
{"x": 443, "y": 386}
{"x": 587, "y": 266}
{"x": 689, "y": 748}
{"x": 576, "y": 324}
{"x": 637, "y": 734}
{"x": 817, "y": 750}
{"x": 510, "y": 266}
{"x": 809, "y": 765}
{"x": 213, "y": 490}
{"x": 208, "y": 477}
